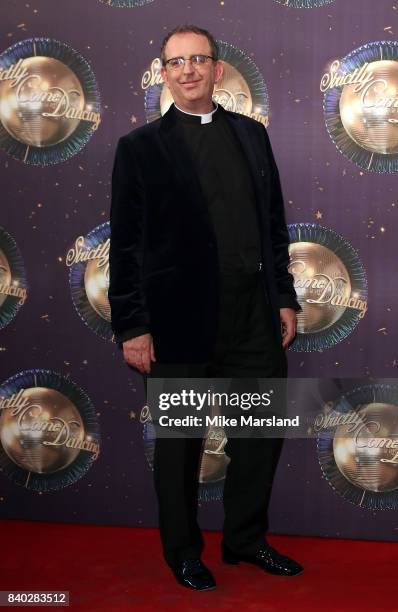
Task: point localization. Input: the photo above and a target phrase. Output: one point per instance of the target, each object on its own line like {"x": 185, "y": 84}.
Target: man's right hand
{"x": 139, "y": 352}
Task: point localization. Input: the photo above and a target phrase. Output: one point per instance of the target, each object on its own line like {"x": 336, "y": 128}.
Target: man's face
{"x": 191, "y": 87}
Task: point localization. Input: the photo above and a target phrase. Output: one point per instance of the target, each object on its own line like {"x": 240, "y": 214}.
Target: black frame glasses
{"x": 198, "y": 59}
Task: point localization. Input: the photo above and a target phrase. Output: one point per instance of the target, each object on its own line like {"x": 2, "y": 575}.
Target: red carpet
{"x": 121, "y": 568}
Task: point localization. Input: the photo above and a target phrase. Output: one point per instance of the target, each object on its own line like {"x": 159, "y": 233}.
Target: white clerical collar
{"x": 204, "y": 117}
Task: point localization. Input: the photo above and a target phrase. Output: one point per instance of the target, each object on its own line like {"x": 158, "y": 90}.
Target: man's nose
{"x": 188, "y": 67}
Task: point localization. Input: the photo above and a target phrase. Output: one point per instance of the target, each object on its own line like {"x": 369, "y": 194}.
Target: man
{"x": 199, "y": 287}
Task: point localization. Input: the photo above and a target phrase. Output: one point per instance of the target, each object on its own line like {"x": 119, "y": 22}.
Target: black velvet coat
{"x": 163, "y": 258}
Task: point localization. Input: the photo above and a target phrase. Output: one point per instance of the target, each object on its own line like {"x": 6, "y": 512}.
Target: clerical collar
{"x": 195, "y": 117}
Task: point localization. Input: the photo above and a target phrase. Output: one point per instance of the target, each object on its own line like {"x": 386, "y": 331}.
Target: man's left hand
{"x": 288, "y": 325}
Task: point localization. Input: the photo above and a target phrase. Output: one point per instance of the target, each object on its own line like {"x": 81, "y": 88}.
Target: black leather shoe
{"x": 193, "y": 574}
{"x": 267, "y": 558}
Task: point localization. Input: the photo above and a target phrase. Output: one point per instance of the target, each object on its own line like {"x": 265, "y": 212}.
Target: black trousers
{"x": 246, "y": 348}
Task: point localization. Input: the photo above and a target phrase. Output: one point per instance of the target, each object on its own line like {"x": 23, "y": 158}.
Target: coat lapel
{"x": 182, "y": 166}
{"x": 257, "y": 167}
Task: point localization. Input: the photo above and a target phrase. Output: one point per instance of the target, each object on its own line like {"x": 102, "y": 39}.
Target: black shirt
{"x": 227, "y": 187}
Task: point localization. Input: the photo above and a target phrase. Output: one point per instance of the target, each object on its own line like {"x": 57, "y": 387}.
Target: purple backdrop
{"x": 292, "y": 49}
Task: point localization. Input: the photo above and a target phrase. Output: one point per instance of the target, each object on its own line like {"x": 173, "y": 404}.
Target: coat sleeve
{"x": 280, "y": 236}
{"x": 129, "y": 314}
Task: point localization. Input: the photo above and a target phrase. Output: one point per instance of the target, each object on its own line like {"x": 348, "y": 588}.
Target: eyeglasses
{"x": 196, "y": 60}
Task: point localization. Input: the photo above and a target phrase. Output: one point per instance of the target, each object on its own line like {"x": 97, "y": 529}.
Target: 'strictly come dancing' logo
{"x": 49, "y": 435}
{"x": 241, "y": 89}
{"x": 358, "y": 446}
{"x": 88, "y": 260}
{"x": 330, "y": 283}
{"x": 304, "y": 3}
{"x": 361, "y": 106}
{"x": 49, "y": 101}
{"x": 13, "y": 285}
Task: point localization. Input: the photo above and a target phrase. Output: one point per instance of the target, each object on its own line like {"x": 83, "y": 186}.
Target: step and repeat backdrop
{"x": 322, "y": 77}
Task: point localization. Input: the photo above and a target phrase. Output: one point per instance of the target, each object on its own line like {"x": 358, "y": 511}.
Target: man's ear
{"x": 218, "y": 70}
{"x": 164, "y": 75}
